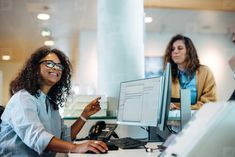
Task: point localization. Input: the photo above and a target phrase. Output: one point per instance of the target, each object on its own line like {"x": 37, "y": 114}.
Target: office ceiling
{"x": 20, "y": 30}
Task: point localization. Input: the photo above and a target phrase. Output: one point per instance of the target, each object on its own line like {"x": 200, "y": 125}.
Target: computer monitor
{"x": 210, "y": 132}
{"x": 145, "y": 102}
{"x": 139, "y": 102}
{"x": 166, "y": 98}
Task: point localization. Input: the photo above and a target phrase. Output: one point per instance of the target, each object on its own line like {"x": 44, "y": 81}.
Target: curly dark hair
{"x": 192, "y": 60}
{"x": 29, "y": 77}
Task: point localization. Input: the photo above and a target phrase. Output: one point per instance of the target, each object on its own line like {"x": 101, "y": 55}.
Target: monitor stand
{"x": 185, "y": 110}
{"x": 156, "y": 135}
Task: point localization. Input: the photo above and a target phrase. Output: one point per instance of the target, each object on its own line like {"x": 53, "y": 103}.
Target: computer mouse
{"x": 111, "y": 146}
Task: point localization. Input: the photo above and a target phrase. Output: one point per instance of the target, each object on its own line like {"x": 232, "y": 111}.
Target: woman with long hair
{"x": 31, "y": 124}
{"x": 188, "y": 73}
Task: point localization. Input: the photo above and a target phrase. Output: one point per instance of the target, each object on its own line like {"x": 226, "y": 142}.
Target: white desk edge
{"x": 140, "y": 152}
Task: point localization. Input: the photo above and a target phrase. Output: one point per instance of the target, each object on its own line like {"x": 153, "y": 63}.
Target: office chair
{"x": 1, "y": 111}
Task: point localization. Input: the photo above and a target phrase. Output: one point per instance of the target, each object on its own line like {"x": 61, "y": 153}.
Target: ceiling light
{"x": 43, "y": 16}
{"x": 6, "y": 57}
{"x": 148, "y": 19}
{"x": 45, "y": 33}
{"x": 49, "y": 43}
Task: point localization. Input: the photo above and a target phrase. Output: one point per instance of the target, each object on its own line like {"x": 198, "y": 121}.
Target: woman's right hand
{"x": 91, "y": 145}
{"x": 174, "y": 106}
{"x": 92, "y": 108}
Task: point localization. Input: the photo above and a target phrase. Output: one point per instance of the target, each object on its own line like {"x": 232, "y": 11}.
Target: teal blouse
{"x": 187, "y": 82}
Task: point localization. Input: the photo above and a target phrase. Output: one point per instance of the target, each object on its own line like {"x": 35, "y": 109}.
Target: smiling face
{"x": 50, "y": 74}
{"x": 178, "y": 53}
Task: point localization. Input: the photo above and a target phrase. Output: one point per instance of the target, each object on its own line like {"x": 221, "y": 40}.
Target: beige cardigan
{"x": 206, "y": 87}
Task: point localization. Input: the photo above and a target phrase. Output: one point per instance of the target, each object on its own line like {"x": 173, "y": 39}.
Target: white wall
{"x": 213, "y": 50}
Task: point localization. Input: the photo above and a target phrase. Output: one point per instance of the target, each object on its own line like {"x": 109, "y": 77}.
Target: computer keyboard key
{"x": 128, "y": 143}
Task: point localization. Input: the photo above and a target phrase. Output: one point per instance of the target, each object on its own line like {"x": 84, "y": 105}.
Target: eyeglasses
{"x": 51, "y": 64}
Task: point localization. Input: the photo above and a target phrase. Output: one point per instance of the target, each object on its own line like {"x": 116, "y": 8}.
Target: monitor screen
{"x": 139, "y": 102}
{"x": 145, "y": 102}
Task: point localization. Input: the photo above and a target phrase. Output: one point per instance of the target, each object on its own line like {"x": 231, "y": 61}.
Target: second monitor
{"x": 145, "y": 102}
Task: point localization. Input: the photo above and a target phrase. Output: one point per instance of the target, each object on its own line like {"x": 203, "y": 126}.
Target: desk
{"x": 124, "y": 152}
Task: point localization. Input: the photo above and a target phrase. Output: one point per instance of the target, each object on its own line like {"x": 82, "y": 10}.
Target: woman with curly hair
{"x": 188, "y": 73}
{"x": 31, "y": 124}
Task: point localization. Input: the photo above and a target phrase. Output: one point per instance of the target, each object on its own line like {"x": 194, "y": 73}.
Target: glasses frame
{"x": 51, "y": 64}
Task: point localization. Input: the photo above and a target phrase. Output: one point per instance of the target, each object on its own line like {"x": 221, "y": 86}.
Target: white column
{"x": 86, "y": 68}
{"x": 120, "y": 44}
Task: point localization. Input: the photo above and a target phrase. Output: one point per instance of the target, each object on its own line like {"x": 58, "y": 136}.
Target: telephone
{"x": 102, "y": 131}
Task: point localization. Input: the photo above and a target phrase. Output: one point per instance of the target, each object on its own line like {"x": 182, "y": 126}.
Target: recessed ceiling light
{"x": 6, "y": 57}
{"x": 148, "y": 19}
{"x": 49, "y": 43}
{"x": 45, "y": 33}
{"x": 43, "y": 16}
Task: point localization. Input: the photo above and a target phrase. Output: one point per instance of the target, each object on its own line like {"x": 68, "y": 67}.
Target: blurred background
{"x": 72, "y": 27}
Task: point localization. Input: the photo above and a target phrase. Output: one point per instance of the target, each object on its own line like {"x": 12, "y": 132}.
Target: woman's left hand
{"x": 92, "y": 108}
{"x": 196, "y": 106}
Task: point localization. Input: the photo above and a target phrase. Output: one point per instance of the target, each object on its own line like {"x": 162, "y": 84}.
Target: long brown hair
{"x": 29, "y": 77}
{"x": 192, "y": 61}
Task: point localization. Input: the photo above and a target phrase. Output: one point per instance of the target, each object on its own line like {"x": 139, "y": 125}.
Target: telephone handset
{"x": 102, "y": 131}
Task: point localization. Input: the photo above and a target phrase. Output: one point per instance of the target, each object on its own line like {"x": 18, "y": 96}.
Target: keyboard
{"x": 127, "y": 143}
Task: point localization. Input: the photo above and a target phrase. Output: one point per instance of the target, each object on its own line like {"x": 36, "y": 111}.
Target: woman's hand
{"x": 92, "y": 108}
{"x": 94, "y": 146}
{"x": 196, "y": 106}
{"x": 175, "y": 106}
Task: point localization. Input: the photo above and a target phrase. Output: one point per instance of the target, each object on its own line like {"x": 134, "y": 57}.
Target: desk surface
{"x": 124, "y": 152}
{"x": 92, "y": 118}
